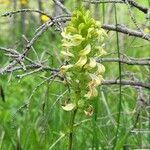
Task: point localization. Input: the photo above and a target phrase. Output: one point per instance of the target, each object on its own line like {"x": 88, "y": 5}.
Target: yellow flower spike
{"x": 101, "y": 68}
{"x": 81, "y": 62}
{"x": 45, "y": 18}
{"x": 85, "y": 51}
{"x": 64, "y": 69}
{"x": 76, "y": 39}
{"x": 80, "y": 40}
{"x": 67, "y": 54}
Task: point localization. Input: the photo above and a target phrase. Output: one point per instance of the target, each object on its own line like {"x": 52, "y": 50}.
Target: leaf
{"x": 122, "y": 141}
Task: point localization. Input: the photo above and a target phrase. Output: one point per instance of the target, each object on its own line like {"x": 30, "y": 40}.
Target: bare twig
{"x": 25, "y": 11}
{"x": 128, "y": 62}
{"x": 62, "y": 6}
{"x": 125, "y": 30}
{"x": 131, "y": 2}
{"x": 120, "y": 28}
{"x": 127, "y": 82}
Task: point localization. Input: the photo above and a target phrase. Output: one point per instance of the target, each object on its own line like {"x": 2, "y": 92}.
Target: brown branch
{"x": 62, "y": 6}
{"x": 128, "y": 62}
{"x": 127, "y": 82}
{"x": 131, "y": 2}
{"x": 25, "y": 10}
{"x": 120, "y": 28}
{"x": 125, "y": 30}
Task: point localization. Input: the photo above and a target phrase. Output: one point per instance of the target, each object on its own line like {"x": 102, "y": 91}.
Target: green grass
{"x": 45, "y": 125}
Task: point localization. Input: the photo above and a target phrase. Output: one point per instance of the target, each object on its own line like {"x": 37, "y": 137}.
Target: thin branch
{"x": 26, "y": 10}
{"x": 62, "y": 6}
{"x": 127, "y": 82}
{"x": 125, "y": 30}
{"x": 131, "y": 2}
{"x": 128, "y": 62}
{"x": 119, "y": 28}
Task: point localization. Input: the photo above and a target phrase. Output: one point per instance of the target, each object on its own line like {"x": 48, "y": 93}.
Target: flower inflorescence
{"x": 82, "y": 43}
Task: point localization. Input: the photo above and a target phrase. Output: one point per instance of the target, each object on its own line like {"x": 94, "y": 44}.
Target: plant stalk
{"x": 71, "y": 129}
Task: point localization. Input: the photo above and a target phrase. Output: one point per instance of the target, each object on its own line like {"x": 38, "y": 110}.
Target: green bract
{"x": 82, "y": 43}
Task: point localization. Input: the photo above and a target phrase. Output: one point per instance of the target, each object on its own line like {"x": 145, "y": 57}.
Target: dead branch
{"x": 128, "y": 62}
{"x": 131, "y": 2}
{"x": 127, "y": 82}
{"x": 125, "y": 30}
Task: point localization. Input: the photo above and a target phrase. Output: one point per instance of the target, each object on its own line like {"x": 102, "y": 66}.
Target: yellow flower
{"x": 90, "y": 32}
{"x": 147, "y": 30}
{"x": 101, "y": 32}
{"x": 76, "y": 39}
{"x": 81, "y": 62}
{"x": 81, "y": 27}
{"x": 24, "y": 2}
{"x": 71, "y": 29}
{"x": 89, "y": 111}
{"x": 95, "y": 80}
{"x": 45, "y": 18}
{"x": 92, "y": 63}
{"x": 85, "y": 51}
{"x": 65, "y": 34}
{"x": 101, "y": 68}
{"x": 67, "y": 54}
{"x": 98, "y": 23}
{"x": 68, "y": 107}
{"x": 6, "y": 2}
{"x": 91, "y": 93}
{"x": 101, "y": 51}
{"x": 67, "y": 44}
{"x": 64, "y": 69}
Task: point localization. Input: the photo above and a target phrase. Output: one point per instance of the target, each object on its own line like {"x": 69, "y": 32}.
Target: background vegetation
{"x": 31, "y": 114}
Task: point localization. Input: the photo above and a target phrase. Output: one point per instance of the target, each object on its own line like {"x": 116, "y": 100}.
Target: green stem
{"x": 120, "y": 78}
{"x": 71, "y": 129}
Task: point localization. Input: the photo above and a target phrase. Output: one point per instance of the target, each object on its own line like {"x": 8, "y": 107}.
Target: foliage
{"x": 31, "y": 114}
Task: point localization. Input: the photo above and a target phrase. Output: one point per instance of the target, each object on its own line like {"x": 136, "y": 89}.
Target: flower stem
{"x": 71, "y": 129}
